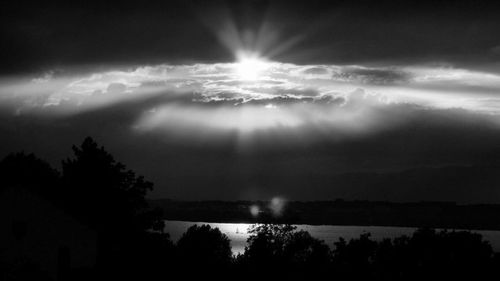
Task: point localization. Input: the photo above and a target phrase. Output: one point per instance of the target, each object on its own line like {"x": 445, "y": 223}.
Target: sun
{"x": 250, "y": 67}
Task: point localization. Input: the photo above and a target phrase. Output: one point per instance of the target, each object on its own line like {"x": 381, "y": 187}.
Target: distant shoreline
{"x": 442, "y": 215}
{"x": 319, "y": 224}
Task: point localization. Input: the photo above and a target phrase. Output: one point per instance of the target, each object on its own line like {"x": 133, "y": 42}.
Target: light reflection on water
{"x": 238, "y": 234}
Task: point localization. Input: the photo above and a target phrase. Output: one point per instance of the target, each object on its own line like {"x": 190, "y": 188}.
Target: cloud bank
{"x": 214, "y": 98}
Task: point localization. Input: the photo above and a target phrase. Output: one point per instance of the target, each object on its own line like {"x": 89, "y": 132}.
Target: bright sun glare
{"x": 250, "y": 67}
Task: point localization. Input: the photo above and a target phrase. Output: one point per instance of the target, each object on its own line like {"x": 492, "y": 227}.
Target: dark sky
{"x": 381, "y": 100}
{"x": 47, "y": 34}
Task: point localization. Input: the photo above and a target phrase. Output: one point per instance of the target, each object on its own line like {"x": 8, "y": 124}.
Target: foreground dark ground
{"x": 98, "y": 194}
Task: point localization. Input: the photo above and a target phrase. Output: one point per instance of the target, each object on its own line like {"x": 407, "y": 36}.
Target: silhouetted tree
{"x": 28, "y": 171}
{"x": 204, "y": 248}
{"x": 104, "y": 193}
{"x": 303, "y": 249}
{"x": 107, "y": 196}
{"x": 266, "y": 244}
{"x": 206, "y": 245}
{"x": 308, "y": 256}
{"x": 353, "y": 259}
{"x": 280, "y": 250}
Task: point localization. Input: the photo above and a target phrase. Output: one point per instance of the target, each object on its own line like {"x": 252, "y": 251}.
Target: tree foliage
{"x": 101, "y": 193}
{"x": 205, "y": 245}
{"x": 28, "y": 171}
{"x": 106, "y": 194}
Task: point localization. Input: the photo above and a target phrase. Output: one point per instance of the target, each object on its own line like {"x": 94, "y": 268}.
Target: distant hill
{"x": 339, "y": 212}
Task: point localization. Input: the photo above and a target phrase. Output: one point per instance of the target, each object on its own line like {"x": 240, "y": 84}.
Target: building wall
{"x": 34, "y": 229}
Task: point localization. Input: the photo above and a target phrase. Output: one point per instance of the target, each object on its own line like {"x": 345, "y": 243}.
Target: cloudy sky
{"x": 250, "y": 100}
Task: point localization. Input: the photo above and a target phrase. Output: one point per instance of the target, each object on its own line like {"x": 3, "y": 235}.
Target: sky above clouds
{"x": 258, "y": 99}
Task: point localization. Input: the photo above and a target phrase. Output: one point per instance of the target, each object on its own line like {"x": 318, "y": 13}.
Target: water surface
{"x": 238, "y": 233}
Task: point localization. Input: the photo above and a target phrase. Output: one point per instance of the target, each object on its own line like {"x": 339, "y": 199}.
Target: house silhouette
{"x": 36, "y": 231}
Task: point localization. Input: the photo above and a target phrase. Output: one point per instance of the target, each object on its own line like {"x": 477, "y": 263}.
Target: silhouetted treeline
{"x": 109, "y": 200}
{"x": 338, "y": 212}
{"x": 280, "y": 252}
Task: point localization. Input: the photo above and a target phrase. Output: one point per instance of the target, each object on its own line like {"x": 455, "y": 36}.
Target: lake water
{"x": 238, "y": 234}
